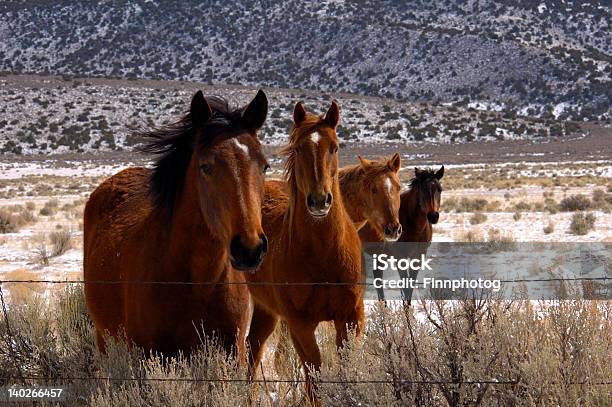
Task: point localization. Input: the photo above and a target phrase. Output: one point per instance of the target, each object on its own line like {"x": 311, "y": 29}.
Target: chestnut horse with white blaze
{"x": 312, "y": 241}
{"x": 370, "y": 193}
{"x": 171, "y": 242}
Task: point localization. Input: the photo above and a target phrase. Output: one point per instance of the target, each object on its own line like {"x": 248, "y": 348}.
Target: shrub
{"x": 453, "y": 343}
{"x": 582, "y": 223}
{"x": 546, "y": 348}
{"x": 522, "y": 206}
{"x": 478, "y": 218}
{"x": 575, "y": 203}
{"x": 61, "y": 241}
{"x": 8, "y": 222}
{"x": 58, "y": 340}
{"x": 549, "y": 228}
{"x": 41, "y": 255}
{"x": 12, "y": 222}
{"x": 551, "y": 206}
{"x": 470, "y": 236}
{"x": 517, "y": 216}
{"x": 471, "y": 205}
{"x": 50, "y": 208}
{"x": 498, "y": 240}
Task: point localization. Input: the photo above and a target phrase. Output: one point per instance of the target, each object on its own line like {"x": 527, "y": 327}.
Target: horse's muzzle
{"x": 319, "y": 204}
{"x": 245, "y": 259}
{"x": 392, "y": 232}
{"x": 433, "y": 217}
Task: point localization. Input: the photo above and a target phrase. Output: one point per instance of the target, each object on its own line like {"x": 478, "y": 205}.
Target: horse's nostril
{"x": 264, "y": 244}
{"x": 309, "y": 201}
{"x": 399, "y": 230}
{"x": 329, "y": 199}
{"x": 388, "y": 230}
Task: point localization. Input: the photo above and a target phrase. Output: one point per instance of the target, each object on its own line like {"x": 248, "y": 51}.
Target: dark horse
{"x": 190, "y": 222}
{"x": 419, "y": 210}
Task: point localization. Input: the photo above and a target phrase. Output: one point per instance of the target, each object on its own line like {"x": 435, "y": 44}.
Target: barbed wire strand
{"x": 276, "y": 380}
{"x": 275, "y": 283}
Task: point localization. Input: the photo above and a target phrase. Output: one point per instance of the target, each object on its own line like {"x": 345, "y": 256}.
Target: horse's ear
{"x": 440, "y": 173}
{"x": 417, "y": 172}
{"x": 365, "y": 163}
{"x": 254, "y": 115}
{"x": 299, "y": 113}
{"x": 200, "y": 110}
{"x": 395, "y": 163}
{"x": 332, "y": 117}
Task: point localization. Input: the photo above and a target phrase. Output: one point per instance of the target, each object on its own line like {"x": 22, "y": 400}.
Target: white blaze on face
{"x": 315, "y": 137}
{"x": 239, "y": 149}
{"x": 243, "y": 147}
{"x": 389, "y": 185}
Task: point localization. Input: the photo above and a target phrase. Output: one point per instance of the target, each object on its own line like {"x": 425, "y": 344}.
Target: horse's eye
{"x": 297, "y": 150}
{"x": 206, "y": 169}
{"x": 266, "y": 167}
{"x": 334, "y": 150}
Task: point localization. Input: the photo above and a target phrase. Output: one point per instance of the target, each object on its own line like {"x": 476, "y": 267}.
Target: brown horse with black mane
{"x": 312, "y": 241}
{"x": 419, "y": 210}
{"x": 168, "y": 240}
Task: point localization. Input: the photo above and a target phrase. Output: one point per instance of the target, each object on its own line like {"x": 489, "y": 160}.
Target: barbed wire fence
{"x": 265, "y": 380}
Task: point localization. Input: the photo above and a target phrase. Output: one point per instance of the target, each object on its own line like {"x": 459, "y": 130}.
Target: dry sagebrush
{"x": 433, "y": 354}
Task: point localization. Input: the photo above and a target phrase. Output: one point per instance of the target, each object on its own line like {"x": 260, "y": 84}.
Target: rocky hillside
{"x": 43, "y": 114}
{"x": 545, "y": 58}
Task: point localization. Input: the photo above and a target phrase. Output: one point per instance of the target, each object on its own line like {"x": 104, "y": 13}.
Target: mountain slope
{"x": 541, "y": 58}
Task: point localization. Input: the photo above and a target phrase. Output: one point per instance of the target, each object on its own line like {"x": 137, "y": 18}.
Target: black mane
{"x": 423, "y": 177}
{"x": 174, "y": 144}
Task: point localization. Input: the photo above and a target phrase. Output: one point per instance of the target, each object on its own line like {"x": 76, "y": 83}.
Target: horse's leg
{"x": 305, "y": 343}
{"x": 355, "y": 321}
{"x": 407, "y": 291}
{"x": 100, "y": 341}
{"x": 262, "y": 326}
{"x": 379, "y": 290}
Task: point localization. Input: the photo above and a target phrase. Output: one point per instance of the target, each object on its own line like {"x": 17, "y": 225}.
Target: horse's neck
{"x": 352, "y": 191}
{"x": 192, "y": 247}
{"x": 412, "y": 214}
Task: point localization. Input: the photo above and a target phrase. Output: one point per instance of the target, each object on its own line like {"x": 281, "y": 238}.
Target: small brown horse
{"x": 312, "y": 240}
{"x": 371, "y": 194}
{"x": 190, "y": 222}
{"x": 419, "y": 210}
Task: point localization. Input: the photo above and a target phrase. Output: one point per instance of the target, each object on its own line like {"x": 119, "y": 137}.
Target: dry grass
{"x": 22, "y": 293}
{"x": 544, "y": 351}
{"x": 478, "y": 218}
{"x": 13, "y": 218}
{"x": 582, "y": 223}
{"x": 41, "y": 254}
{"x": 470, "y": 236}
{"x": 61, "y": 241}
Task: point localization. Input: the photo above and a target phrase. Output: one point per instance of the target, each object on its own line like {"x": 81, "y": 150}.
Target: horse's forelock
{"x": 174, "y": 145}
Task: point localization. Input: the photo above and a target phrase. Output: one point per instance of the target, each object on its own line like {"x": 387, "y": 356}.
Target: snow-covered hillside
{"x": 545, "y": 58}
